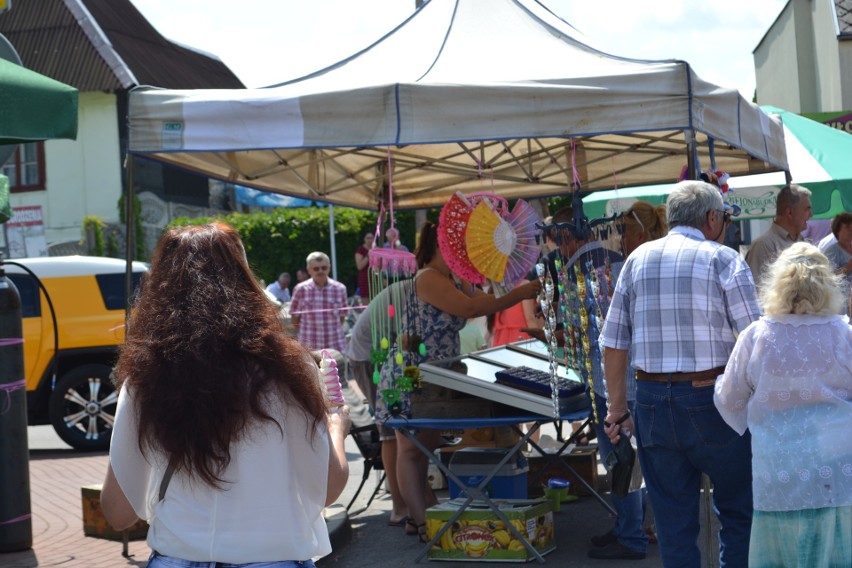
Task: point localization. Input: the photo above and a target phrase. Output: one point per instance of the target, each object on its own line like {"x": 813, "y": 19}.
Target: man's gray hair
{"x": 317, "y": 256}
{"x": 789, "y": 196}
{"x": 689, "y": 202}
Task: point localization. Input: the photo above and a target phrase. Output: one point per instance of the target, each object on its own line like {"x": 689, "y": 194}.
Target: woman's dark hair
{"x": 206, "y": 352}
{"x": 840, "y": 220}
{"x": 427, "y": 245}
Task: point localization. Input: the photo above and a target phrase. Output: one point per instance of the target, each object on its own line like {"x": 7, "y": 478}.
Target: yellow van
{"x": 70, "y": 386}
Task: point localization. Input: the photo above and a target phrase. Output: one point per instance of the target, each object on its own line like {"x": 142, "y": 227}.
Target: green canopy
{"x": 34, "y": 107}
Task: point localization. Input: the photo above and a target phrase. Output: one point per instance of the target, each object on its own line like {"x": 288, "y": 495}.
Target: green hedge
{"x": 281, "y": 240}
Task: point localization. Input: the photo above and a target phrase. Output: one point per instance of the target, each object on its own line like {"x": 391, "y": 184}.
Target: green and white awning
{"x": 819, "y": 157}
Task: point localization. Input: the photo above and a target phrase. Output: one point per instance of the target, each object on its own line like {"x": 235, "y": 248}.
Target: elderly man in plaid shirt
{"x": 679, "y": 303}
{"x": 318, "y": 306}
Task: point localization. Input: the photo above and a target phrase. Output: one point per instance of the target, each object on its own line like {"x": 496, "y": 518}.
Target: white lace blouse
{"x": 789, "y": 381}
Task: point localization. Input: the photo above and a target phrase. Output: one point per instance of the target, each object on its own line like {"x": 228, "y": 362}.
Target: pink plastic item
{"x": 331, "y": 379}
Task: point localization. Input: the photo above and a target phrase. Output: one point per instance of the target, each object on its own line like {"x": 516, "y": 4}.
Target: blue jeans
{"x": 681, "y": 435}
{"x": 157, "y": 560}
{"x": 630, "y": 509}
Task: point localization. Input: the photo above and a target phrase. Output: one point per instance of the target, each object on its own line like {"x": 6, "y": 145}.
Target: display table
{"x": 474, "y": 374}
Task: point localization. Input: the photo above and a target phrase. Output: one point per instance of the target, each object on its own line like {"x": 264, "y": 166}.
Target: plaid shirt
{"x": 679, "y": 302}
{"x": 320, "y": 329}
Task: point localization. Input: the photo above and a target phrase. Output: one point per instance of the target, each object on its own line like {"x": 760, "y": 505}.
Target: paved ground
{"x": 57, "y": 473}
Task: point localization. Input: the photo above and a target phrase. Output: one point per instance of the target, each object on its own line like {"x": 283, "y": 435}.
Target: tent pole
{"x": 332, "y": 238}
{"x": 129, "y": 241}
{"x": 691, "y": 155}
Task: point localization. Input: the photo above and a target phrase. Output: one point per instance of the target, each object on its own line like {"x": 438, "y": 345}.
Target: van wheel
{"x": 82, "y": 407}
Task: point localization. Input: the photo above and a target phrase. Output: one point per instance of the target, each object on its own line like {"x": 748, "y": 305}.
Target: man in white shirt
{"x": 839, "y": 253}
{"x": 281, "y": 288}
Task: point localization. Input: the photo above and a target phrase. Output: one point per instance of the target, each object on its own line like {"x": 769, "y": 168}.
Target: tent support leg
{"x": 129, "y": 240}
{"x": 691, "y": 155}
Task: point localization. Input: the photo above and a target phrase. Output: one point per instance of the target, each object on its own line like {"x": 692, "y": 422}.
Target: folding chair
{"x": 370, "y": 445}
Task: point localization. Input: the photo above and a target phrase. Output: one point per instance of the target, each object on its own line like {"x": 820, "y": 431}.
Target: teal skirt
{"x": 801, "y": 539}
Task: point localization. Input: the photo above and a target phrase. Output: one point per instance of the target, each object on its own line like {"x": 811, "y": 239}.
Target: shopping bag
{"x": 620, "y": 463}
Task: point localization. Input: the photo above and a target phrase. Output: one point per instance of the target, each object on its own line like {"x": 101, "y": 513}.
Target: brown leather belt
{"x": 702, "y": 378}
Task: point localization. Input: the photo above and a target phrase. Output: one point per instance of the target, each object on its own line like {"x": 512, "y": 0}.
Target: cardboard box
{"x": 438, "y": 402}
{"x": 490, "y": 437}
{"x": 584, "y": 460}
{"x": 472, "y": 465}
{"x": 479, "y": 534}
{"x": 94, "y": 523}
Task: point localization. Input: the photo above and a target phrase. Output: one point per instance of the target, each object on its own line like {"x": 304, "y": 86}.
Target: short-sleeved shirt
{"x": 826, "y": 242}
{"x": 838, "y": 258}
{"x": 320, "y": 311}
{"x": 361, "y": 337}
{"x": 678, "y": 303}
{"x": 766, "y": 248}
{"x": 281, "y": 294}
{"x": 270, "y": 507}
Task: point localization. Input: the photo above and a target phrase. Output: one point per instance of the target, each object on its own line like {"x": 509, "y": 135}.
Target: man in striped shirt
{"x": 679, "y": 303}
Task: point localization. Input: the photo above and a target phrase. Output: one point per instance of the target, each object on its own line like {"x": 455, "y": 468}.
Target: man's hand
{"x": 617, "y": 423}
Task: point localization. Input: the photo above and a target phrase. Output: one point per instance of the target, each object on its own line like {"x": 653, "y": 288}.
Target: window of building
{"x": 25, "y": 168}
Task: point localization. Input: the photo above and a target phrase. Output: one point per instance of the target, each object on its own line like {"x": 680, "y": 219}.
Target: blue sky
{"x": 269, "y": 41}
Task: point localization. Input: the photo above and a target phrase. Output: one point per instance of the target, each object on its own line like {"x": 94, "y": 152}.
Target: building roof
{"x": 106, "y": 45}
{"x": 843, "y": 9}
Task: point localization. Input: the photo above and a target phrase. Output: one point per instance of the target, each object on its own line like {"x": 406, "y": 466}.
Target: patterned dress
{"x": 438, "y": 330}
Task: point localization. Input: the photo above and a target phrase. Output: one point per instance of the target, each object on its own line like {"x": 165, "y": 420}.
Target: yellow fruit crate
{"x": 94, "y": 523}
{"x": 478, "y": 534}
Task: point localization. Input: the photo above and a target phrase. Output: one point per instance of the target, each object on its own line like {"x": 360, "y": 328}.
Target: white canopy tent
{"x": 465, "y": 95}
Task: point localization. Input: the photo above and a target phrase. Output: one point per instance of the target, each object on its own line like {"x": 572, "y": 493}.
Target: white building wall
{"x": 775, "y": 69}
{"x": 83, "y": 176}
{"x": 827, "y": 58}
{"x": 845, "y": 66}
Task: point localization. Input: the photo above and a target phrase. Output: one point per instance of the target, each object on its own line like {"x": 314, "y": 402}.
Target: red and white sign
{"x": 25, "y": 232}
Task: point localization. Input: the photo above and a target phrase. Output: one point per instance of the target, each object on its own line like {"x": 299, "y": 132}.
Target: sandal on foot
{"x": 400, "y": 523}
{"x": 413, "y": 529}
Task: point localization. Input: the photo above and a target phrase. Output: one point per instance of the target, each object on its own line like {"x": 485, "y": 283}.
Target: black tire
{"x": 82, "y": 408}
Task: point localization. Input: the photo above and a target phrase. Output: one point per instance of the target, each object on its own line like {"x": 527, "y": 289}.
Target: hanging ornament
{"x": 387, "y": 267}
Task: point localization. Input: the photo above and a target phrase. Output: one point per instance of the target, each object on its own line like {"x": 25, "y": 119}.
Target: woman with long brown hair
{"x": 223, "y": 441}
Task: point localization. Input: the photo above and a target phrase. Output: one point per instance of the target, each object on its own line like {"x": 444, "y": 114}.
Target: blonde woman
{"x": 789, "y": 381}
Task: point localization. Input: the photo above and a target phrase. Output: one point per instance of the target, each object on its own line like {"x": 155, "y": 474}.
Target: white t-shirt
{"x": 271, "y": 510}
{"x": 361, "y": 336}
{"x": 826, "y": 242}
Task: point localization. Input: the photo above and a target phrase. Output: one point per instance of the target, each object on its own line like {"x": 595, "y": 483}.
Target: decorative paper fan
{"x": 490, "y": 240}
{"x": 523, "y": 257}
{"x": 452, "y": 226}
